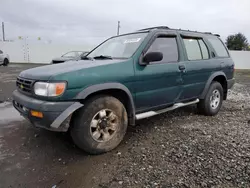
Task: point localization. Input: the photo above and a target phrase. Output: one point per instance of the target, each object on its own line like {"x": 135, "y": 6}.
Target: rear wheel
{"x": 100, "y": 125}
{"x": 5, "y": 62}
{"x": 212, "y": 102}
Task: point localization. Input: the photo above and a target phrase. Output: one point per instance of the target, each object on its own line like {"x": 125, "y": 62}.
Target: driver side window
{"x": 168, "y": 47}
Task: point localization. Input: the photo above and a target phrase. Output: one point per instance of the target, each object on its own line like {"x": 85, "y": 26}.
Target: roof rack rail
{"x": 210, "y": 33}
{"x": 166, "y": 27}
{"x": 158, "y": 27}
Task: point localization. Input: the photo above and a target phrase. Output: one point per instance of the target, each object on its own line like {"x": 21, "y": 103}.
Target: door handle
{"x": 182, "y": 68}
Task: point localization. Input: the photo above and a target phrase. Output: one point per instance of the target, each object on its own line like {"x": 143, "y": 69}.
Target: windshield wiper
{"x": 102, "y": 57}
{"x": 86, "y": 58}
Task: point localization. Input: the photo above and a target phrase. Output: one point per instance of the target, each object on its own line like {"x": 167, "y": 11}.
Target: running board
{"x": 153, "y": 113}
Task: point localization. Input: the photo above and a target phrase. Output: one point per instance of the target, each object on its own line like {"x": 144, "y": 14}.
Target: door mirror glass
{"x": 152, "y": 56}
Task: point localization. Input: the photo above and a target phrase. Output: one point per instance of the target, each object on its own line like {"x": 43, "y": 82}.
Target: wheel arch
{"x": 219, "y": 77}
{"x": 117, "y": 90}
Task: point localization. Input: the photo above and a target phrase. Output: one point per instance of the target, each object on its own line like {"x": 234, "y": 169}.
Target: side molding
{"x": 220, "y": 73}
{"x": 175, "y": 106}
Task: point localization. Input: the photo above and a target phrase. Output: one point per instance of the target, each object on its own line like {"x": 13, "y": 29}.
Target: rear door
{"x": 197, "y": 67}
{"x": 158, "y": 83}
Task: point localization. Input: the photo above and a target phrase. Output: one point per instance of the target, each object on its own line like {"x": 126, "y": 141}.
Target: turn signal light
{"x": 36, "y": 114}
{"x": 60, "y": 87}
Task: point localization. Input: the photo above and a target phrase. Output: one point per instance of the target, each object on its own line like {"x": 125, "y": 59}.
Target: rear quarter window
{"x": 218, "y": 47}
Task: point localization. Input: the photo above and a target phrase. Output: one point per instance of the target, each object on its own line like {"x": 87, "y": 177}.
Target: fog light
{"x": 36, "y": 114}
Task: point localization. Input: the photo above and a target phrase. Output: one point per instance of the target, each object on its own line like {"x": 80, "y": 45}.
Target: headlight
{"x": 49, "y": 89}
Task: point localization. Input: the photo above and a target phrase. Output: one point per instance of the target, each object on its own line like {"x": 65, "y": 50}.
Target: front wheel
{"x": 212, "y": 102}
{"x": 5, "y": 62}
{"x": 100, "y": 125}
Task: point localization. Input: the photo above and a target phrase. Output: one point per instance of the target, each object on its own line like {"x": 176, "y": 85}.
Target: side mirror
{"x": 152, "y": 56}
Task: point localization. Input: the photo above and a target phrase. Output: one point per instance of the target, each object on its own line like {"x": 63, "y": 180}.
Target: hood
{"x": 46, "y": 72}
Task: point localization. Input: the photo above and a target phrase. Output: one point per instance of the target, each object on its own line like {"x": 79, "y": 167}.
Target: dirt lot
{"x": 176, "y": 149}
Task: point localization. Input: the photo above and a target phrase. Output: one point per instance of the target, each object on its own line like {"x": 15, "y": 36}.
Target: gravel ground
{"x": 177, "y": 149}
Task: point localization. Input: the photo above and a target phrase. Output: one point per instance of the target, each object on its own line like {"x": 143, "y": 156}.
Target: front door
{"x": 159, "y": 83}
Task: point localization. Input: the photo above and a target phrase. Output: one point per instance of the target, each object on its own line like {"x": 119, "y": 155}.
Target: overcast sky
{"x": 90, "y": 21}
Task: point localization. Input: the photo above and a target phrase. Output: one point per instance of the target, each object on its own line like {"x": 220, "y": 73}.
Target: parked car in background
{"x": 4, "y": 58}
{"x": 72, "y": 55}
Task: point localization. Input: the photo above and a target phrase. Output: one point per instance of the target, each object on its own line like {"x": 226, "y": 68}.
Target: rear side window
{"x": 168, "y": 47}
{"x": 204, "y": 50}
{"x": 218, "y": 47}
{"x": 196, "y": 49}
{"x": 192, "y": 48}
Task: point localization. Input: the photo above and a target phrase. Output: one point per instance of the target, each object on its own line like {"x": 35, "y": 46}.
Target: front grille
{"x": 24, "y": 85}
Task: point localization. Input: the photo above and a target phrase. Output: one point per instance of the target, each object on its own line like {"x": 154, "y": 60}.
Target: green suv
{"x": 124, "y": 79}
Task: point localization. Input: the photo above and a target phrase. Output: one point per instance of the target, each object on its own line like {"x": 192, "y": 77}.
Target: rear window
{"x": 218, "y": 47}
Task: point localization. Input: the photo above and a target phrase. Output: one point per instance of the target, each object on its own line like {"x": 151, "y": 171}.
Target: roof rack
{"x": 165, "y": 27}
{"x": 217, "y": 35}
{"x": 158, "y": 27}
{"x": 208, "y": 33}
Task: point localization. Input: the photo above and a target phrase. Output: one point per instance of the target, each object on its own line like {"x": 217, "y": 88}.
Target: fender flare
{"x": 209, "y": 81}
{"x": 105, "y": 86}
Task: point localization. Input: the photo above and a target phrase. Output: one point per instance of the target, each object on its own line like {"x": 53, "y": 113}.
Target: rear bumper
{"x": 56, "y": 115}
{"x": 230, "y": 83}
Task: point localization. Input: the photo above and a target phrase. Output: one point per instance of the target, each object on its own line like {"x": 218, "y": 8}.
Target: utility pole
{"x": 118, "y": 28}
{"x": 3, "y": 31}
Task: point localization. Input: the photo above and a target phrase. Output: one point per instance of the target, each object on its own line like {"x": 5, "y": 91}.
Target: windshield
{"x": 119, "y": 47}
{"x": 69, "y": 54}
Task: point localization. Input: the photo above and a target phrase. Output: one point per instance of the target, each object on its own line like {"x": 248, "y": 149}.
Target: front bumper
{"x": 230, "y": 83}
{"x": 56, "y": 115}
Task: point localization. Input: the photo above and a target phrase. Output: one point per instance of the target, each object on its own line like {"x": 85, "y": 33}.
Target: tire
{"x": 96, "y": 133}
{"x": 208, "y": 106}
{"x": 5, "y": 62}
